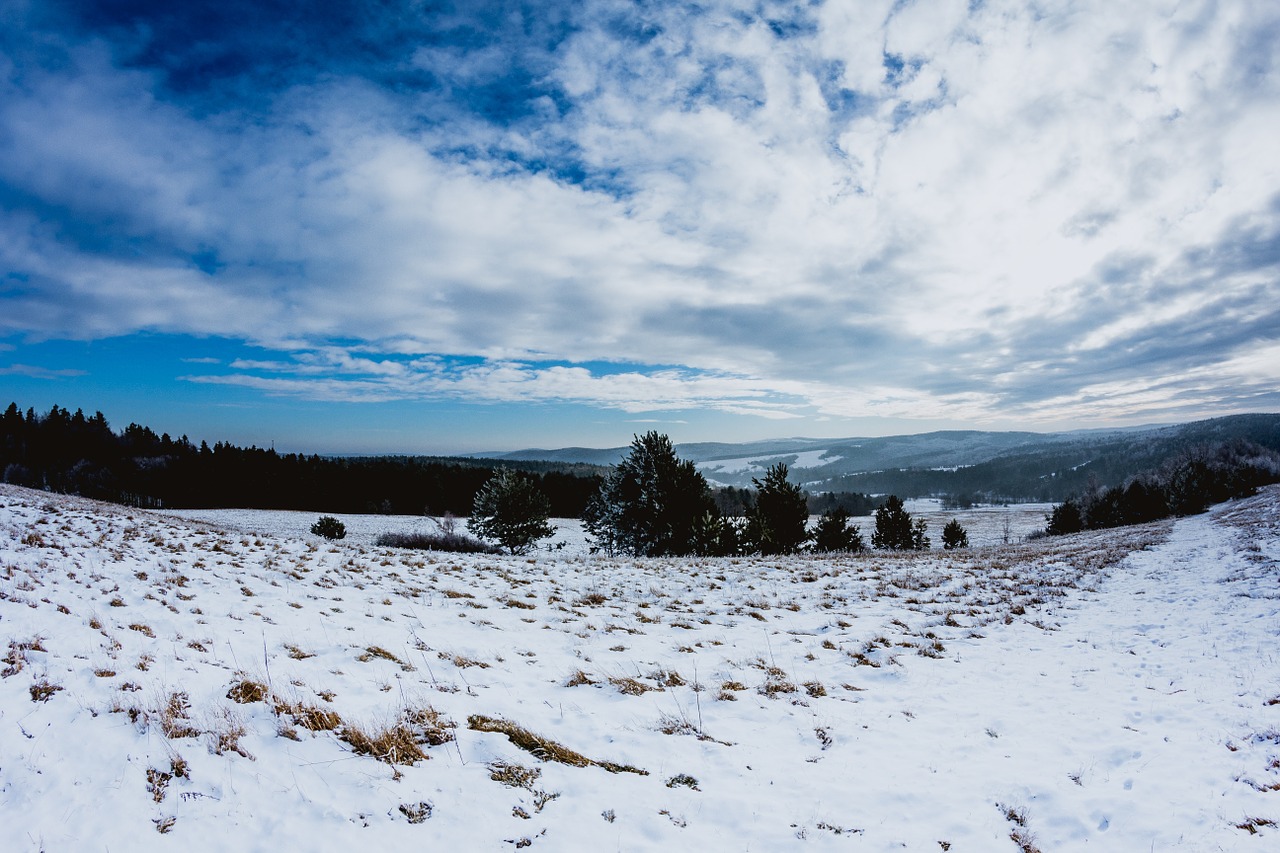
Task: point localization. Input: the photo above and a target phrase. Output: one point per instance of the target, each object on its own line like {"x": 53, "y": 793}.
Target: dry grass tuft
{"x": 542, "y": 748}
{"x": 416, "y": 812}
{"x": 310, "y": 717}
{"x": 578, "y": 679}
{"x": 629, "y": 686}
{"x": 173, "y": 717}
{"x": 246, "y": 691}
{"x": 394, "y": 744}
{"x": 43, "y": 690}
{"x": 683, "y": 780}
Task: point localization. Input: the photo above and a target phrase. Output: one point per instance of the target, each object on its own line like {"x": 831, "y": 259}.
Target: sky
{"x": 448, "y": 227}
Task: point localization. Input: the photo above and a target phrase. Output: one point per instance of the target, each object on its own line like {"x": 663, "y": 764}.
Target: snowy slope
{"x": 1108, "y": 691}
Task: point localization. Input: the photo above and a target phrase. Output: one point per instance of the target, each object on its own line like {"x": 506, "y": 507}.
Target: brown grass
{"x": 247, "y": 690}
{"x": 543, "y": 748}
{"x": 629, "y": 686}
{"x": 394, "y": 744}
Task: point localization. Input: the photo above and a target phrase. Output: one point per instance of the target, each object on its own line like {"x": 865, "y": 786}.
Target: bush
{"x": 329, "y": 527}
{"x": 444, "y": 541}
{"x": 895, "y": 531}
{"x": 954, "y": 536}
{"x": 833, "y": 533}
{"x": 511, "y": 510}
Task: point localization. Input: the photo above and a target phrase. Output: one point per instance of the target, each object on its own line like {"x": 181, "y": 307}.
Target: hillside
{"x": 168, "y": 684}
{"x": 1023, "y": 466}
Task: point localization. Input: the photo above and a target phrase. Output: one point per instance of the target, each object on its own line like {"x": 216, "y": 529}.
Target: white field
{"x": 992, "y": 525}
{"x": 1113, "y": 691}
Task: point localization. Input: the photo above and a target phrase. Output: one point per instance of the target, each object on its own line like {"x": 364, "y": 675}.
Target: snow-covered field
{"x": 985, "y": 525}
{"x": 171, "y": 684}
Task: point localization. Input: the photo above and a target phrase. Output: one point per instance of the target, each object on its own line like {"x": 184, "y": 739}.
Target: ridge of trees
{"x": 70, "y": 452}
{"x": 1186, "y": 484}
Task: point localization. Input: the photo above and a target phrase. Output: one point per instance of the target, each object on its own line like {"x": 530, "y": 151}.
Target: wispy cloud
{"x": 32, "y": 371}
{"x": 959, "y": 210}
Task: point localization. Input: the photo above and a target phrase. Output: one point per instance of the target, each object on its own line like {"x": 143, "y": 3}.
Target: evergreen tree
{"x": 954, "y": 536}
{"x": 329, "y": 527}
{"x": 512, "y": 511}
{"x": 651, "y": 504}
{"x": 895, "y": 530}
{"x": 833, "y": 532}
{"x": 778, "y": 520}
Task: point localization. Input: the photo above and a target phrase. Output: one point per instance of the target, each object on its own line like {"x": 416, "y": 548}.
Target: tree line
{"x": 70, "y": 452}
{"x": 654, "y": 504}
{"x": 1184, "y": 485}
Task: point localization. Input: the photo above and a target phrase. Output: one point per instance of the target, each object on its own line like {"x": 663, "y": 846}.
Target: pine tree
{"x": 778, "y": 520}
{"x": 833, "y": 533}
{"x": 512, "y": 511}
{"x": 954, "y": 536}
{"x": 895, "y": 530}
{"x": 651, "y": 504}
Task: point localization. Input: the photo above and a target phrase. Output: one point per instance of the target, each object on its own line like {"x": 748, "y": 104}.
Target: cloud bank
{"x": 1041, "y": 212}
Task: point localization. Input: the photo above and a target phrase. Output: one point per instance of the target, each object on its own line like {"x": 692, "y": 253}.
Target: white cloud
{"x": 908, "y": 255}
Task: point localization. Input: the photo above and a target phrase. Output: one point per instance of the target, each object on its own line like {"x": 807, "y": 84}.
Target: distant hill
{"x": 1009, "y": 466}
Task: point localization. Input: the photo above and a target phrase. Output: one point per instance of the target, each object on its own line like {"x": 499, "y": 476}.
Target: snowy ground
{"x": 172, "y": 684}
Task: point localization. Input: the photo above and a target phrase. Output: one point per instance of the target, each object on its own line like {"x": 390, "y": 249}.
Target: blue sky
{"x": 442, "y": 227}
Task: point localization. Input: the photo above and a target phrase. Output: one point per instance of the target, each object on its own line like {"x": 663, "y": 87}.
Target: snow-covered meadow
{"x": 171, "y": 683}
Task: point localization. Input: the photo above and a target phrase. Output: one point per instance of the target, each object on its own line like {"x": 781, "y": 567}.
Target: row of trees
{"x": 654, "y": 504}
{"x": 70, "y": 452}
{"x": 1189, "y": 484}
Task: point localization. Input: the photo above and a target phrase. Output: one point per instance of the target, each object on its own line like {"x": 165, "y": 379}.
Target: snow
{"x": 1113, "y": 690}
{"x": 759, "y": 464}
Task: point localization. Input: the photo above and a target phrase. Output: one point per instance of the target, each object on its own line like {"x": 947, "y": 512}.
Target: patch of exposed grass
{"x": 395, "y": 744}
{"x": 629, "y": 686}
{"x": 543, "y": 748}
{"x": 43, "y": 690}
{"x": 247, "y": 690}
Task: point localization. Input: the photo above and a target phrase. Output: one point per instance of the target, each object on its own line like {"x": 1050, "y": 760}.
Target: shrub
{"x": 512, "y": 511}
{"x": 954, "y": 535}
{"x": 329, "y": 527}
{"x": 456, "y": 542}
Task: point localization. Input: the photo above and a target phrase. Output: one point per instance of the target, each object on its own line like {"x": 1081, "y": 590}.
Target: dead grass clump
{"x": 174, "y": 718}
{"x": 1020, "y": 835}
{"x": 629, "y": 686}
{"x": 157, "y": 783}
{"x": 297, "y": 653}
{"x": 416, "y": 812}
{"x": 225, "y": 732}
{"x": 669, "y": 678}
{"x": 773, "y": 686}
{"x": 394, "y": 744}
{"x": 815, "y": 689}
{"x": 591, "y": 599}
{"x": 542, "y": 748}
{"x": 372, "y": 652}
{"x": 1253, "y": 824}
{"x": 43, "y": 690}
{"x": 310, "y": 717}
{"x": 247, "y": 690}
{"x": 462, "y": 661}
{"x": 683, "y": 780}
{"x": 514, "y": 775}
{"x": 433, "y": 728}
{"x": 578, "y": 679}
